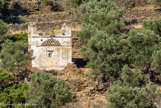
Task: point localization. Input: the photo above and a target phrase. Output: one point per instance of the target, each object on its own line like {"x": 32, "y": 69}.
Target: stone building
{"x": 50, "y": 52}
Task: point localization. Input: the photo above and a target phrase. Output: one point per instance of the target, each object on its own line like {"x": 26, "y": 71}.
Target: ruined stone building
{"x": 50, "y": 51}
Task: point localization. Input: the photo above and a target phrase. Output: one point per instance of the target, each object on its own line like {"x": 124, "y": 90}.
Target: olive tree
{"x": 14, "y": 55}
{"x": 2, "y": 2}
{"x": 100, "y": 35}
{"x": 3, "y": 31}
{"x": 45, "y": 90}
{"x": 131, "y": 91}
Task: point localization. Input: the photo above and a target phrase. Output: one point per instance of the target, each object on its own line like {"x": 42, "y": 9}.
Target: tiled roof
{"x": 51, "y": 42}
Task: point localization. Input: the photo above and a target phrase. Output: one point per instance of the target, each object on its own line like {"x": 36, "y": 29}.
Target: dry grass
{"x": 137, "y": 26}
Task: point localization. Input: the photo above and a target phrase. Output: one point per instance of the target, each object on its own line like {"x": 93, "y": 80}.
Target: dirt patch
{"x": 88, "y": 92}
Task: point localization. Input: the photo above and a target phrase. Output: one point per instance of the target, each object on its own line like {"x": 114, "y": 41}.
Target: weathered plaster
{"x": 59, "y": 56}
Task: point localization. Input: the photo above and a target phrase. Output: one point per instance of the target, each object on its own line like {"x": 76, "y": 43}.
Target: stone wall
{"x": 26, "y": 7}
{"x": 133, "y": 16}
{"x": 36, "y": 18}
{"x": 130, "y": 3}
{"x": 44, "y": 27}
{"x": 48, "y": 17}
{"x": 50, "y": 52}
{"x": 16, "y": 8}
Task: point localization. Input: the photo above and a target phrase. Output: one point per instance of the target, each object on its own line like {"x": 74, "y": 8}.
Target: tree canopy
{"x": 2, "y": 2}
{"x": 132, "y": 92}
{"x": 100, "y": 34}
{"x": 10, "y": 91}
{"x": 132, "y": 58}
{"x": 45, "y": 90}
{"x": 107, "y": 47}
{"x": 14, "y": 55}
{"x": 3, "y": 31}
{"x": 153, "y": 25}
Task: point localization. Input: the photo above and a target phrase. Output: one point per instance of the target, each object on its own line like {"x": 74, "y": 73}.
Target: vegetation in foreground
{"x": 11, "y": 92}
{"x": 45, "y": 90}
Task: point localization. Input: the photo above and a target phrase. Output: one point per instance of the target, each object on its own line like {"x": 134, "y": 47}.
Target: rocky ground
{"x": 88, "y": 93}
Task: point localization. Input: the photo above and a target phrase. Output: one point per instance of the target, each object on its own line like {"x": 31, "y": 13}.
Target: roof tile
{"x": 51, "y": 42}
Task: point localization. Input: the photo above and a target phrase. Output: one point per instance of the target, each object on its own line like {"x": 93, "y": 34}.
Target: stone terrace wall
{"x": 44, "y": 27}
{"x": 133, "y": 16}
{"x": 130, "y": 3}
{"x": 21, "y": 7}
{"x": 37, "y": 18}
{"x": 134, "y": 13}
{"x": 26, "y": 7}
{"x": 48, "y": 17}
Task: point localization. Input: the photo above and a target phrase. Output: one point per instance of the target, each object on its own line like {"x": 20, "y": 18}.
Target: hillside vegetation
{"x": 116, "y": 54}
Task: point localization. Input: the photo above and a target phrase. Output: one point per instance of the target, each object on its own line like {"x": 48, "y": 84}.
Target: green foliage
{"x": 102, "y": 54}
{"x": 96, "y": 106}
{"x": 20, "y": 37}
{"x": 103, "y": 15}
{"x": 25, "y": 20}
{"x": 5, "y": 79}
{"x": 156, "y": 61}
{"x": 10, "y": 91}
{"x": 158, "y": 2}
{"x": 132, "y": 77}
{"x": 16, "y": 92}
{"x": 46, "y": 90}
{"x": 3, "y": 30}
{"x": 14, "y": 55}
{"x": 75, "y": 3}
{"x": 139, "y": 47}
{"x": 131, "y": 91}
{"x": 5, "y": 98}
{"x": 99, "y": 36}
{"x": 153, "y": 25}
{"x": 141, "y": 51}
{"x": 155, "y": 93}
{"x": 123, "y": 96}
{"x": 44, "y": 1}
{"x": 2, "y": 2}
{"x": 107, "y": 48}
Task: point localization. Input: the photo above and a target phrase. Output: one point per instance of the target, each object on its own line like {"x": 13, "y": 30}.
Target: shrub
{"x": 133, "y": 78}
{"x": 2, "y": 2}
{"x": 131, "y": 92}
{"x": 20, "y": 37}
{"x": 10, "y": 91}
{"x": 44, "y": 1}
{"x": 25, "y": 20}
{"x": 138, "y": 48}
{"x": 158, "y": 2}
{"x": 46, "y": 90}
{"x": 14, "y": 55}
{"x": 3, "y": 31}
{"x": 124, "y": 96}
{"x": 16, "y": 92}
{"x": 156, "y": 62}
{"x": 5, "y": 79}
{"x": 153, "y": 25}
{"x": 100, "y": 35}
{"x": 5, "y": 98}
